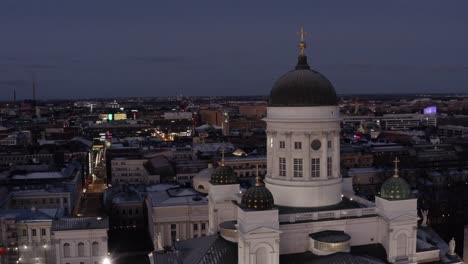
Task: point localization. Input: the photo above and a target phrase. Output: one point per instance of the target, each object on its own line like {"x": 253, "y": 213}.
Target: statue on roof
{"x": 424, "y": 214}
{"x": 452, "y": 247}
{"x": 160, "y": 244}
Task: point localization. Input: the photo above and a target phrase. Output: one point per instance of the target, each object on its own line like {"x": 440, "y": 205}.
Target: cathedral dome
{"x": 223, "y": 175}
{"x": 303, "y": 87}
{"x": 395, "y": 188}
{"x": 258, "y": 198}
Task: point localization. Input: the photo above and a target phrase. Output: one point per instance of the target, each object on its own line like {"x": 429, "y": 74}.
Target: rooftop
{"x": 81, "y": 223}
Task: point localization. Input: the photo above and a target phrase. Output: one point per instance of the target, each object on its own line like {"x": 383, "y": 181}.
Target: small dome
{"x": 303, "y": 87}
{"x": 257, "y": 198}
{"x": 223, "y": 175}
{"x": 395, "y": 188}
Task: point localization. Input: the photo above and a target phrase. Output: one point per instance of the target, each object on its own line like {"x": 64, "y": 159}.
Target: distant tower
{"x": 14, "y": 96}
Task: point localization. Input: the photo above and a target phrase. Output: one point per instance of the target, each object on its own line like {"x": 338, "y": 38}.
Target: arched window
{"x": 80, "y": 249}
{"x": 66, "y": 250}
{"x": 200, "y": 187}
{"x": 95, "y": 248}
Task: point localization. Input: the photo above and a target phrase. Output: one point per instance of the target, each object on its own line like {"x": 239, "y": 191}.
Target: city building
{"x": 176, "y": 214}
{"x": 132, "y": 171}
{"x": 80, "y": 240}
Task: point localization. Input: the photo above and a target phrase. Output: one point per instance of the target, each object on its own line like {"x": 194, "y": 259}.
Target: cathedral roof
{"x": 257, "y": 197}
{"x": 303, "y": 86}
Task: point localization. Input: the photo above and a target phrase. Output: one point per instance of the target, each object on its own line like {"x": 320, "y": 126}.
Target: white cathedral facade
{"x": 304, "y": 210}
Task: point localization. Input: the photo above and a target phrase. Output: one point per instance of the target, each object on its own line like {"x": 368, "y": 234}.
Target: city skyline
{"x": 115, "y": 49}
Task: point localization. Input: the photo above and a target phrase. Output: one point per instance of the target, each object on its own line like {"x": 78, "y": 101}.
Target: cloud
{"x": 162, "y": 59}
{"x": 396, "y": 68}
{"x": 15, "y": 83}
{"x": 38, "y": 66}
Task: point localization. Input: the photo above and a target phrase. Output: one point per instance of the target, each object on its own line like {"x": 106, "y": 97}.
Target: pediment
{"x": 405, "y": 218}
{"x": 263, "y": 230}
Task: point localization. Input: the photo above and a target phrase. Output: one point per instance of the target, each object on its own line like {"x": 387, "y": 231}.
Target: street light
{"x": 106, "y": 261}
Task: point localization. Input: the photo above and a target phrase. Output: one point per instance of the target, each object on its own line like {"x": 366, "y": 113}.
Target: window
{"x": 195, "y": 227}
{"x": 34, "y": 232}
{"x": 66, "y": 250}
{"x": 80, "y": 249}
{"x": 315, "y": 168}
{"x": 25, "y": 232}
{"x": 203, "y": 226}
{"x": 43, "y": 232}
{"x": 95, "y": 248}
{"x": 282, "y": 144}
{"x": 297, "y": 145}
{"x": 173, "y": 231}
{"x": 329, "y": 166}
{"x": 329, "y": 144}
{"x": 282, "y": 167}
{"x": 130, "y": 211}
{"x": 297, "y": 167}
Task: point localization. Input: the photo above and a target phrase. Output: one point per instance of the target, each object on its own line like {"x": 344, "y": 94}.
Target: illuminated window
{"x": 297, "y": 167}
{"x": 315, "y": 168}
{"x": 282, "y": 167}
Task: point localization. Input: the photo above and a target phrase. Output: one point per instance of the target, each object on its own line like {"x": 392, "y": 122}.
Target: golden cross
{"x": 222, "y": 156}
{"x": 396, "y": 165}
{"x": 302, "y": 44}
{"x": 302, "y": 33}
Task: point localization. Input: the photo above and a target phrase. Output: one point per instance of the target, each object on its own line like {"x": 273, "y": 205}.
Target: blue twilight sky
{"x": 97, "y": 48}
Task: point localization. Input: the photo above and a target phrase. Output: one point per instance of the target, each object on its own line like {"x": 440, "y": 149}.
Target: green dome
{"x": 303, "y": 87}
{"x": 223, "y": 175}
{"x": 395, "y": 188}
{"x": 257, "y": 198}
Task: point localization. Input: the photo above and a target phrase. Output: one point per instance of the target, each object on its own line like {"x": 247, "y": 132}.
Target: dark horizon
{"x": 119, "y": 49}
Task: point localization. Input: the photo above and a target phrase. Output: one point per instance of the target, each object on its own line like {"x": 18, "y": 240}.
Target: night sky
{"x": 101, "y": 48}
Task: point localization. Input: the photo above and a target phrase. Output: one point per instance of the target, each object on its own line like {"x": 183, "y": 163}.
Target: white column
{"x": 289, "y": 163}
{"x": 323, "y": 158}
{"x": 336, "y": 154}
{"x": 306, "y": 163}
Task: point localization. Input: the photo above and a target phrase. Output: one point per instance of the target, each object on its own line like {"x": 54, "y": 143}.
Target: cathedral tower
{"x": 303, "y": 147}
